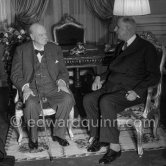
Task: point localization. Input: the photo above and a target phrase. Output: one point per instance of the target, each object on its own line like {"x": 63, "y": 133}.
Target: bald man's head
{"x": 126, "y": 28}
{"x": 38, "y": 34}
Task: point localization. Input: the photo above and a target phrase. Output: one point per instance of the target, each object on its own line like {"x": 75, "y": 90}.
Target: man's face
{"x": 39, "y": 36}
{"x": 121, "y": 30}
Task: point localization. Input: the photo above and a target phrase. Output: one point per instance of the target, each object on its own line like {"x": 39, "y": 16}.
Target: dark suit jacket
{"x": 23, "y": 64}
{"x": 136, "y": 68}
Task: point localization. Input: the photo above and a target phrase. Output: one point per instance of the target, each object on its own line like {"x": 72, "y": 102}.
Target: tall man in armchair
{"x": 135, "y": 67}
{"x": 38, "y": 69}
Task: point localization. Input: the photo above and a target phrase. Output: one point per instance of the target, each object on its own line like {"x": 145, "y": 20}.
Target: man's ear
{"x": 31, "y": 36}
{"x": 128, "y": 27}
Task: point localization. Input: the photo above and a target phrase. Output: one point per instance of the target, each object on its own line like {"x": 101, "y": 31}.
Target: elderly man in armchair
{"x": 135, "y": 67}
{"x": 39, "y": 72}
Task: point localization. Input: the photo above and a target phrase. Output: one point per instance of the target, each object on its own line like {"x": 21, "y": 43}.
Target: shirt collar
{"x": 131, "y": 40}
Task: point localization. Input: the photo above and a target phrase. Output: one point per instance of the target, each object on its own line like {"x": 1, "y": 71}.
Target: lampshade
{"x": 131, "y": 7}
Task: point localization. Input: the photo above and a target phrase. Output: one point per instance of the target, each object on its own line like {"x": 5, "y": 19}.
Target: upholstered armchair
{"x": 68, "y": 32}
{"x": 45, "y": 112}
{"x": 146, "y": 115}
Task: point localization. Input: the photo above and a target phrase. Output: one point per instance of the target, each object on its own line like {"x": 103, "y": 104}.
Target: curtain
{"x": 55, "y": 10}
{"x": 28, "y": 11}
{"x": 103, "y": 9}
{"x": 5, "y": 14}
{"x": 95, "y": 29}
{"x": 5, "y": 20}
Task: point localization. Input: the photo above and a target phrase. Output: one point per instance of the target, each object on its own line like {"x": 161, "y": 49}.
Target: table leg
{"x": 77, "y": 81}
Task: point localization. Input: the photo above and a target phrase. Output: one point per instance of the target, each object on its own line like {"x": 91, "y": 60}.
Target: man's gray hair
{"x": 33, "y": 26}
{"x": 129, "y": 21}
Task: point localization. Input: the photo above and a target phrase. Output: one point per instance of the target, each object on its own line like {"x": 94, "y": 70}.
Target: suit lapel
{"x": 129, "y": 50}
{"x": 29, "y": 56}
{"x": 28, "y": 61}
{"x": 29, "y": 53}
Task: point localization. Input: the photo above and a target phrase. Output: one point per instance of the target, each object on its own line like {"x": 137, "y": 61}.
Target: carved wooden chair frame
{"x": 64, "y": 22}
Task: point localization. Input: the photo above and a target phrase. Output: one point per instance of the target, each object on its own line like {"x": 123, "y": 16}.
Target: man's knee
{"x": 106, "y": 102}
{"x": 87, "y": 99}
{"x": 68, "y": 99}
{"x": 31, "y": 103}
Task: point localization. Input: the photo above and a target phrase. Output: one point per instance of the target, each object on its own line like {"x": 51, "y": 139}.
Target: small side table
{"x": 91, "y": 59}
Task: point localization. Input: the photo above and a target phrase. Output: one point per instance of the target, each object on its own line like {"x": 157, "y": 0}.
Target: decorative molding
{"x": 153, "y": 23}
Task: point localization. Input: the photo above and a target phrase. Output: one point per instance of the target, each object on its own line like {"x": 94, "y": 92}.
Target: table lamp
{"x": 131, "y": 7}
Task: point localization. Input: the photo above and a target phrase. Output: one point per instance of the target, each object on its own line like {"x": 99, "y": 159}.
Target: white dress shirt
{"x": 39, "y": 56}
{"x": 131, "y": 40}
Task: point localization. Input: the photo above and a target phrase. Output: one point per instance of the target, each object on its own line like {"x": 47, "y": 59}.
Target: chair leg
{"x": 155, "y": 126}
{"x": 70, "y": 124}
{"x": 139, "y": 130}
{"x": 19, "y": 127}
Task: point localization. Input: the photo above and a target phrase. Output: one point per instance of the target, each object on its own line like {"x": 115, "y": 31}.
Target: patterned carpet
{"x": 77, "y": 146}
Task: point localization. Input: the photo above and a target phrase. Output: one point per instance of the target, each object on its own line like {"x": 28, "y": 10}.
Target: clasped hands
{"x": 27, "y": 91}
{"x": 130, "y": 95}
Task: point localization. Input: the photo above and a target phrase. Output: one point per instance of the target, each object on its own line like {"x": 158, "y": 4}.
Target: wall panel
{"x": 154, "y": 23}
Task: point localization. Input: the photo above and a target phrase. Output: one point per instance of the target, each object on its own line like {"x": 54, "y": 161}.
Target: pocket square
{"x": 56, "y": 61}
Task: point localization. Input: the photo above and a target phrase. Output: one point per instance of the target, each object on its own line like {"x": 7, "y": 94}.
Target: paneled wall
{"x": 158, "y": 6}
{"x": 154, "y": 23}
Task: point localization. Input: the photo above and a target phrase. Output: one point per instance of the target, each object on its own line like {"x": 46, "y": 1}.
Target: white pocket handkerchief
{"x": 56, "y": 61}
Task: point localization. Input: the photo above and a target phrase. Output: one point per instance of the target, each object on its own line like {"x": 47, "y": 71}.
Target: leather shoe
{"x": 110, "y": 156}
{"x": 96, "y": 145}
{"x": 33, "y": 145}
{"x": 62, "y": 142}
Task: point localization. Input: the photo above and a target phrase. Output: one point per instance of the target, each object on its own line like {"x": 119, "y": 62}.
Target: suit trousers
{"x": 61, "y": 101}
{"x": 101, "y": 108}
{"x": 3, "y": 131}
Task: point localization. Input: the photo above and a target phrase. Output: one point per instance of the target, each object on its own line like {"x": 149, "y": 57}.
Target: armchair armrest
{"x": 153, "y": 98}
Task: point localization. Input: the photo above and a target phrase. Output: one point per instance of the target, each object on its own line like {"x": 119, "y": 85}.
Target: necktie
{"x": 38, "y": 51}
{"x": 124, "y": 46}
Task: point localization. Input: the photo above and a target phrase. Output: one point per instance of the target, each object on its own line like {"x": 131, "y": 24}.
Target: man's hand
{"x": 62, "y": 86}
{"x": 97, "y": 84}
{"x": 26, "y": 93}
{"x": 132, "y": 95}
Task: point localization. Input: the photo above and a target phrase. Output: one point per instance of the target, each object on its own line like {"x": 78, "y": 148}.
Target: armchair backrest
{"x": 154, "y": 93}
{"x": 160, "y": 48}
{"x": 68, "y": 32}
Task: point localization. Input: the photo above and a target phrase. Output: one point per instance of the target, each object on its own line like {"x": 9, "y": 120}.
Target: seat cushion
{"x": 47, "y": 112}
{"x": 135, "y": 111}
{"x": 130, "y": 114}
